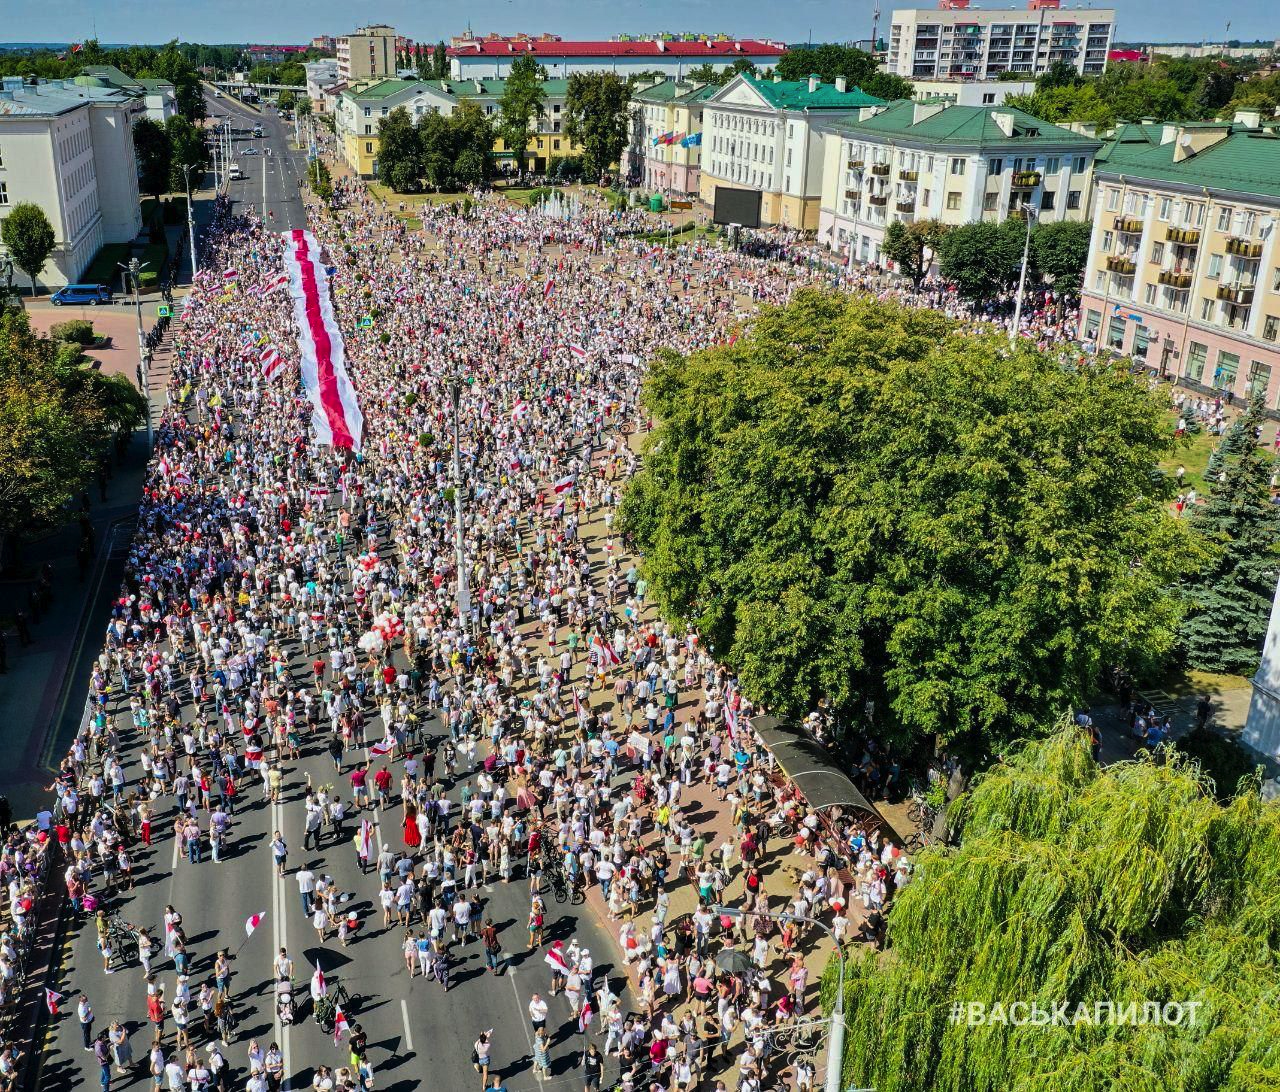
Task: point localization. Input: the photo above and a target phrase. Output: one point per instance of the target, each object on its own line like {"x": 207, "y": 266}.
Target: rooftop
{"x": 970, "y": 126}
{"x": 49, "y": 98}
{"x": 1246, "y": 160}
{"x": 796, "y": 95}
{"x": 460, "y": 89}
{"x": 698, "y": 50}
{"x": 675, "y": 91}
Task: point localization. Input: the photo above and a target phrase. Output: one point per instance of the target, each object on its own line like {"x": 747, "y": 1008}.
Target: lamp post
{"x": 464, "y": 589}
{"x": 1030, "y": 214}
{"x": 191, "y": 223}
{"x": 262, "y": 160}
{"x": 134, "y": 270}
{"x": 835, "y": 1043}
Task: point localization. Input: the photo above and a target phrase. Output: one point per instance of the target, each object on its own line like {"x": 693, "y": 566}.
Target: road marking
{"x": 280, "y": 931}
{"x": 404, "y": 1015}
{"x": 528, "y": 1035}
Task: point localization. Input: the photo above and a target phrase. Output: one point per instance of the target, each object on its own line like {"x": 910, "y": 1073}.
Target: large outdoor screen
{"x": 735, "y": 206}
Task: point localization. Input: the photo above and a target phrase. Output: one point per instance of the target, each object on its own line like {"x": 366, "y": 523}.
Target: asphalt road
{"x": 283, "y": 166}
{"x": 419, "y": 1036}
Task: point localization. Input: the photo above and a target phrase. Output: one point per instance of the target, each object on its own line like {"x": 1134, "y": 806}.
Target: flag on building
{"x": 252, "y": 922}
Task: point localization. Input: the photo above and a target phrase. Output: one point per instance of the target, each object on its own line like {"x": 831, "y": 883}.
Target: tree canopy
{"x": 522, "y": 104}
{"x": 154, "y": 155}
{"x": 983, "y": 259}
{"x": 29, "y": 238}
{"x": 859, "y": 68}
{"x": 596, "y": 118}
{"x": 1079, "y": 885}
{"x": 444, "y": 152}
{"x": 863, "y": 502}
{"x": 914, "y": 246}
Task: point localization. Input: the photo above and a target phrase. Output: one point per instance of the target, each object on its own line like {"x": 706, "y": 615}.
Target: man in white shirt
{"x": 306, "y": 888}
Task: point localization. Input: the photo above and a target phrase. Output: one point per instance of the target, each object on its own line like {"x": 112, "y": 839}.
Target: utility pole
{"x": 464, "y": 588}
{"x": 191, "y": 223}
{"x": 1029, "y": 212}
{"x": 134, "y": 269}
{"x": 263, "y": 158}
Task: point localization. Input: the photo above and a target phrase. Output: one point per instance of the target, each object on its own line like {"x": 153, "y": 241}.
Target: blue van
{"x": 92, "y": 294}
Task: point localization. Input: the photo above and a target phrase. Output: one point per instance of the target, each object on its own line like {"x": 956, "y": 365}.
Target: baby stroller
{"x": 284, "y": 1002}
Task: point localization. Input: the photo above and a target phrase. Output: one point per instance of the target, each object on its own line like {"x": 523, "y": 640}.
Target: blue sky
{"x": 294, "y": 21}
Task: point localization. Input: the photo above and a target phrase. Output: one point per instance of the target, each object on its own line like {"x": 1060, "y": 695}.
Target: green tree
{"x": 913, "y": 246}
{"x": 473, "y": 139}
{"x": 286, "y": 100}
{"x": 304, "y": 107}
{"x": 596, "y": 119}
{"x": 861, "y": 501}
{"x": 1059, "y": 74}
{"x": 522, "y": 102}
{"x": 1080, "y": 885}
{"x": 858, "y": 68}
{"x": 1231, "y": 597}
{"x": 292, "y": 72}
{"x": 440, "y": 62}
{"x": 424, "y": 63}
{"x": 399, "y": 152}
{"x": 29, "y": 238}
{"x": 170, "y": 64}
{"x": 151, "y": 147}
{"x": 186, "y": 146}
{"x": 982, "y": 259}
{"x": 436, "y": 139}
{"x": 1059, "y": 251}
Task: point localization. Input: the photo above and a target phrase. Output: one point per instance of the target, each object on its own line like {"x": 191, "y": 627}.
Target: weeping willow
{"x": 1081, "y": 885}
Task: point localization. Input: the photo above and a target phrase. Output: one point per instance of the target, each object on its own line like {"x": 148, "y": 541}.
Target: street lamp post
{"x": 134, "y": 269}
{"x": 262, "y": 161}
{"x": 191, "y": 223}
{"x": 464, "y": 589}
{"x": 1030, "y": 213}
{"x": 835, "y": 1043}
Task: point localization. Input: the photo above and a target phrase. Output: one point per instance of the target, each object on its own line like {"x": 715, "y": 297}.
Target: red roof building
{"x": 491, "y": 57}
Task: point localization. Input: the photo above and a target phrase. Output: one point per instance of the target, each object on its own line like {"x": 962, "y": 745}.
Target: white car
{"x": 248, "y": 151}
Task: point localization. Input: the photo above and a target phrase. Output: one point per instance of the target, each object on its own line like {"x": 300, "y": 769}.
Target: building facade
{"x": 159, "y": 96}
{"x": 761, "y": 134}
{"x": 959, "y": 42}
{"x": 359, "y": 110}
{"x": 970, "y": 92}
{"x": 68, "y": 148}
{"x": 368, "y": 53}
{"x": 1183, "y": 271}
{"x": 665, "y": 149}
{"x": 958, "y": 164}
{"x": 491, "y": 57}
{"x": 322, "y": 77}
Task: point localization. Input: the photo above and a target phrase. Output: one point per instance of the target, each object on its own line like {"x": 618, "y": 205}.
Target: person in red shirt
{"x": 382, "y": 780}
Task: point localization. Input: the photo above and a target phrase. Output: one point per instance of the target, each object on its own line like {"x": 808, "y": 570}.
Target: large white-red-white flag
{"x": 555, "y": 959}
{"x": 335, "y": 410}
{"x": 272, "y": 362}
{"x": 51, "y": 999}
{"x": 565, "y": 485}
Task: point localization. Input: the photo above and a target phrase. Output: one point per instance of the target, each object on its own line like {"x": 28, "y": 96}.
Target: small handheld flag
{"x": 340, "y": 1025}
{"x": 383, "y": 747}
{"x": 252, "y": 922}
{"x": 51, "y": 999}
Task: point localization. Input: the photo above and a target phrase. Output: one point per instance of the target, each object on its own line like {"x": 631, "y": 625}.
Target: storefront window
{"x": 1259, "y": 377}
{"x": 1224, "y": 375}
{"x": 1115, "y": 332}
{"x": 1092, "y": 324}
{"x": 1197, "y": 354}
{"x": 1141, "y": 339}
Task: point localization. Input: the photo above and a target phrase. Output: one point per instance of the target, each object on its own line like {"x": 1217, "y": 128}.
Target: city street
{"x": 283, "y": 167}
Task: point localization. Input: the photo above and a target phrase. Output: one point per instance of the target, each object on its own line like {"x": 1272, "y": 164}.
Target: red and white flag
{"x": 555, "y": 959}
{"x": 274, "y": 284}
{"x": 319, "y": 987}
{"x": 230, "y": 274}
{"x": 520, "y": 411}
{"x": 610, "y": 655}
{"x": 548, "y": 288}
{"x": 577, "y": 706}
{"x": 565, "y": 485}
{"x": 318, "y": 494}
{"x": 51, "y": 999}
{"x": 585, "y": 1017}
{"x": 366, "y": 839}
{"x": 272, "y": 362}
{"x": 252, "y": 922}
{"x": 578, "y": 351}
{"x": 383, "y": 747}
{"x": 340, "y": 1025}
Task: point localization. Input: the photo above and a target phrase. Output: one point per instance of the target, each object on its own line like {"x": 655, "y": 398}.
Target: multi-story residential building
{"x": 970, "y": 92}
{"x": 368, "y": 53}
{"x": 360, "y": 109}
{"x": 321, "y": 77}
{"x": 759, "y": 134}
{"x": 958, "y": 164}
{"x": 68, "y": 147}
{"x": 159, "y": 96}
{"x": 1183, "y": 269}
{"x": 665, "y": 149}
{"x": 324, "y": 43}
{"x": 491, "y": 57}
{"x": 954, "y": 40}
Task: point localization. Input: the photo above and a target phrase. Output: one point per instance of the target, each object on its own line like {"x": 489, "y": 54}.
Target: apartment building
{"x": 956, "y": 41}
{"x": 665, "y": 149}
{"x": 1183, "y": 269}
{"x": 957, "y": 92}
{"x": 760, "y": 134}
{"x": 322, "y": 77}
{"x": 491, "y": 57}
{"x": 957, "y": 164}
{"x": 359, "y": 110}
{"x": 68, "y": 148}
{"x": 368, "y": 53}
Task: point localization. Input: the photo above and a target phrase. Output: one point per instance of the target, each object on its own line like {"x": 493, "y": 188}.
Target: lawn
{"x": 102, "y": 270}
{"x": 1192, "y": 452}
{"x": 393, "y": 199}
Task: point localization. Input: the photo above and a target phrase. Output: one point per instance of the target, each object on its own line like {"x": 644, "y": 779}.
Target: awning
{"x": 823, "y": 785}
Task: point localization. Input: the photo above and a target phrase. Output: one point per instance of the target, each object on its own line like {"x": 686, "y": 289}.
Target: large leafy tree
{"x": 1231, "y": 596}
{"x": 862, "y": 502}
{"x": 982, "y": 259}
{"x": 473, "y": 135}
{"x": 399, "y": 152}
{"x": 1082, "y": 886}
{"x": 859, "y": 69}
{"x": 522, "y": 104}
{"x": 596, "y": 118}
{"x": 186, "y": 147}
{"x": 1059, "y": 251}
{"x": 29, "y": 238}
{"x": 913, "y": 246}
{"x": 151, "y": 147}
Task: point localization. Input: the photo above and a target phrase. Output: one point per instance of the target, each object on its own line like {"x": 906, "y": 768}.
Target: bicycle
{"x": 325, "y": 1009}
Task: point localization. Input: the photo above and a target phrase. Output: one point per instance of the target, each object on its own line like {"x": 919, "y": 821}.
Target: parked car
{"x": 248, "y": 151}
{"x": 92, "y": 294}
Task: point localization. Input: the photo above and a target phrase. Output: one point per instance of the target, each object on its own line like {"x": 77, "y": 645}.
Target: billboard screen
{"x": 734, "y": 206}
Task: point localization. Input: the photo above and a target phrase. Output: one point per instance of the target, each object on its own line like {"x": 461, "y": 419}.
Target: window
{"x": 1073, "y": 199}
{"x": 988, "y": 98}
{"x": 997, "y": 165}
{"x": 1113, "y": 200}
{"x": 1157, "y": 252}
{"x": 989, "y": 202}
{"x": 1079, "y": 165}
{"x": 1224, "y": 219}
{"x": 1053, "y": 164}
{"x": 1092, "y": 324}
{"x": 1275, "y": 280}
{"x": 1259, "y": 378}
{"x": 1149, "y": 294}
{"x": 1224, "y": 375}
{"x": 1270, "y": 325}
{"x": 368, "y": 147}
{"x": 1206, "y": 309}
{"x": 1165, "y": 202}
{"x": 368, "y": 112}
{"x": 1100, "y": 281}
{"x": 4, "y": 193}
{"x": 384, "y": 111}
{"x": 1115, "y": 332}
{"x": 1108, "y": 238}
{"x": 1197, "y": 354}
{"x": 1046, "y": 199}
{"x": 556, "y": 145}
{"x": 1215, "y": 266}
{"x": 953, "y": 200}
{"x": 368, "y": 130}
{"x": 957, "y": 166}
{"x": 1, "y": 157}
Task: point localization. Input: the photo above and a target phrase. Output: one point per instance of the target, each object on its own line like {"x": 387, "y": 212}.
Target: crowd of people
{"x": 284, "y": 599}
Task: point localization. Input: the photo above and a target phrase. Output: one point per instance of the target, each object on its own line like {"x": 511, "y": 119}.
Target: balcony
{"x": 1243, "y": 248}
{"x": 1174, "y": 279}
{"x": 1017, "y": 213}
{"x": 1183, "y": 236}
{"x": 880, "y": 170}
{"x": 1129, "y": 225}
{"x": 1239, "y": 294}
{"x": 905, "y": 206}
{"x": 853, "y": 195}
{"x": 909, "y": 176}
{"x": 1117, "y": 263}
{"x": 879, "y": 200}
{"x": 1025, "y": 180}
{"x": 856, "y": 164}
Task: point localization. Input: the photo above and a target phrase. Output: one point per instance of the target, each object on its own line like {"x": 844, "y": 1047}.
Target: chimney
{"x": 813, "y": 84}
{"x": 922, "y": 110}
{"x": 1193, "y": 140}
{"x": 842, "y": 85}
{"x": 1168, "y": 133}
{"x": 1004, "y": 122}
{"x": 1250, "y": 119}
{"x": 1084, "y": 128}
{"x": 777, "y": 77}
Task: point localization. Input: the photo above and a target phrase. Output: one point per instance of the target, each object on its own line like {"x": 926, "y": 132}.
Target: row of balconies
{"x": 1128, "y": 225}
{"x": 1118, "y": 263}
{"x": 1174, "y": 278}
